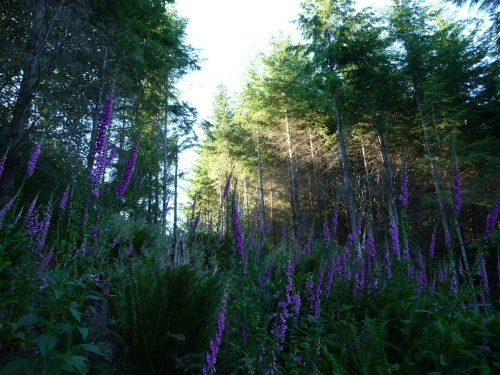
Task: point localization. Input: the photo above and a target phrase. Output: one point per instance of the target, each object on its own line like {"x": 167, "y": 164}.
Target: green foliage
{"x": 163, "y": 317}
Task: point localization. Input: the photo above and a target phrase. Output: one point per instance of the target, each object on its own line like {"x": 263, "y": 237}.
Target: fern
{"x": 164, "y": 318}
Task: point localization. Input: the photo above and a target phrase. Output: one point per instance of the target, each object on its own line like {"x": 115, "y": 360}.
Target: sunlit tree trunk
{"x": 293, "y": 178}
{"x": 389, "y": 180}
{"x": 261, "y": 190}
{"x": 345, "y": 168}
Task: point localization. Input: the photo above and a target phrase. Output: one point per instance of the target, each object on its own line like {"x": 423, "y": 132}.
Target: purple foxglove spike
{"x": 7, "y": 207}
{"x": 326, "y": 235}
{"x": 127, "y": 173}
{"x": 237, "y": 232}
{"x": 335, "y": 220}
{"x": 209, "y": 366}
{"x": 115, "y": 241}
{"x": 457, "y": 192}
{"x": 64, "y": 200}
{"x": 130, "y": 250}
{"x": 196, "y": 222}
{"x": 33, "y": 160}
{"x": 2, "y": 163}
{"x": 492, "y": 221}
{"x": 433, "y": 244}
{"x": 393, "y": 230}
{"x": 388, "y": 264}
{"x": 404, "y": 187}
{"x": 42, "y": 234}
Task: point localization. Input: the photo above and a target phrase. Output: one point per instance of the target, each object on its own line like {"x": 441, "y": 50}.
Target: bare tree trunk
{"x": 176, "y": 167}
{"x": 371, "y": 195}
{"x": 345, "y": 168}
{"x": 165, "y": 143}
{"x": 319, "y": 204}
{"x": 261, "y": 189}
{"x": 293, "y": 178}
{"x": 388, "y": 174}
{"x": 432, "y": 161}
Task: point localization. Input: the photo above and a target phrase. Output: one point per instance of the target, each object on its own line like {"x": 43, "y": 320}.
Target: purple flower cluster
{"x": 209, "y": 366}
{"x": 326, "y": 235}
{"x": 238, "y": 234}
{"x": 316, "y": 300}
{"x": 458, "y": 201}
{"x": 44, "y": 229}
{"x": 2, "y": 163}
{"x": 33, "y": 160}
{"x": 388, "y": 264}
{"x": 307, "y": 249}
{"x": 335, "y": 220}
{"x": 281, "y": 325}
{"x": 354, "y": 235}
{"x": 127, "y": 173}
{"x": 484, "y": 276}
{"x": 115, "y": 241}
{"x": 492, "y": 221}
{"x": 64, "y": 200}
{"x": 196, "y": 222}
{"x": 433, "y": 244}
{"x": 99, "y": 153}
{"x": 404, "y": 188}
{"x": 393, "y": 230}
{"x": 6, "y": 208}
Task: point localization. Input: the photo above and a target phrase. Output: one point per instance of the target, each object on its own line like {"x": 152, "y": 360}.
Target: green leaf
{"x": 27, "y": 320}
{"x": 84, "y": 332}
{"x": 75, "y": 313}
{"x": 78, "y": 362}
{"x": 57, "y": 293}
{"x": 63, "y": 327}
{"x": 45, "y": 343}
{"x": 19, "y": 367}
{"x": 91, "y": 348}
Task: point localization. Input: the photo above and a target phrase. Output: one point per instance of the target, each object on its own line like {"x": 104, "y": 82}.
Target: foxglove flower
{"x": 64, "y": 200}
{"x": 307, "y": 249}
{"x": 2, "y": 164}
{"x": 393, "y": 230}
{"x": 315, "y": 306}
{"x": 115, "y": 241}
{"x": 127, "y": 173}
{"x": 33, "y": 160}
{"x": 484, "y": 276}
{"x": 209, "y": 366}
{"x": 492, "y": 221}
{"x": 237, "y": 232}
{"x": 196, "y": 222}
{"x": 335, "y": 220}
{"x": 326, "y": 235}
{"x": 458, "y": 201}
{"x": 7, "y": 207}
{"x": 98, "y": 154}
{"x": 388, "y": 264}
{"x": 433, "y": 244}
{"x": 130, "y": 250}
{"x": 404, "y": 188}
{"x": 46, "y": 260}
{"x": 42, "y": 234}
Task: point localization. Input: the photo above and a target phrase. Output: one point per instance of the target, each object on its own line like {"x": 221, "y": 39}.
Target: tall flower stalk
{"x": 209, "y": 366}
{"x": 127, "y": 173}
{"x": 33, "y": 160}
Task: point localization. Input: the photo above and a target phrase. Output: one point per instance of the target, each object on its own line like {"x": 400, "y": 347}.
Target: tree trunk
{"x": 345, "y": 168}
{"x": 261, "y": 189}
{"x": 176, "y": 166}
{"x": 371, "y": 195}
{"x": 165, "y": 142}
{"x": 293, "y": 178}
{"x": 434, "y": 171}
{"x": 388, "y": 174}
{"x": 319, "y": 205}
